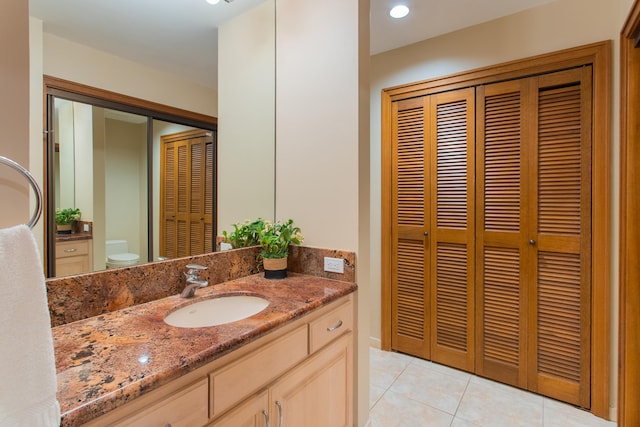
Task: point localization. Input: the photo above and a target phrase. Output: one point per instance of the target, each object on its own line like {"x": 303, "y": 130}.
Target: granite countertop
{"x": 105, "y": 361}
{"x": 84, "y": 235}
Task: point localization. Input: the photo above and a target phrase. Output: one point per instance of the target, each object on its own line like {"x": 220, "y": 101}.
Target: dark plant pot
{"x": 275, "y": 274}
{"x": 63, "y": 229}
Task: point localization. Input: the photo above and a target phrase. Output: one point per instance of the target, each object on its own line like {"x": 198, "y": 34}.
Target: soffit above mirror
{"x": 148, "y": 32}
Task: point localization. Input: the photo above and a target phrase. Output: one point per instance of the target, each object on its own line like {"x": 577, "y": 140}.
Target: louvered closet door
{"x": 410, "y": 255}
{"x": 451, "y": 239}
{"x": 533, "y": 240}
{"x": 201, "y": 196}
{"x": 174, "y": 200}
{"x": 187, "y": 188}
{"x": 560, "y": 315}
{"x": 168, "y": 204}
{"x": 502, "y": 193}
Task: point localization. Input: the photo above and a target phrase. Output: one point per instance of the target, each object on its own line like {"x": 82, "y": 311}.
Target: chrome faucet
{"x": 193, "y": 281}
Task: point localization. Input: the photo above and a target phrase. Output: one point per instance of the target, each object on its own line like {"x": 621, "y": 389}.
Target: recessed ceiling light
{"x": 399, "y": 11}
{"x": 213, "y": 1}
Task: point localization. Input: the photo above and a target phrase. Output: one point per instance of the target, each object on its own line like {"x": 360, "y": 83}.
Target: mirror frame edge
{"x": 51, "y": 84}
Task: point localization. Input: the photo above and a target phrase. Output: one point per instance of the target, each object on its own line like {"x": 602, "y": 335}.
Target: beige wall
{"x": 14, "y": 115}
{"x": 126, "y": 184}
{"x": 83, "y": 159}
{"x": 317, "y": 118}
{"x": 82, "y": 64}
{"x": 35, "y": 116}
{"x": 554, "y": 26}
{"x": 246, "y": 133}
{"x": 318, "y": 135}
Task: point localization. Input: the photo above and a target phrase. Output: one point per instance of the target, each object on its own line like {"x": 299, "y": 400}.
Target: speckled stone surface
{"x": 73, "y": 237}
{"x": 308, "y": 260}
{"x": 78, "y": 297}
{"x": 105, "y": 361}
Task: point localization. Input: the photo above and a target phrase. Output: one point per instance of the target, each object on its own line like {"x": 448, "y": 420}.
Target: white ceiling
{"x": 180, "y": 36}
{"x": 430, "y": 18}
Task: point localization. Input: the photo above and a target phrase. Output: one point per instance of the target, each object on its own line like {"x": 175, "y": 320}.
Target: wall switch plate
{"x": 225, "y": 246}
{"x": 86, "y": 227}
{"x": 334, "y": 265}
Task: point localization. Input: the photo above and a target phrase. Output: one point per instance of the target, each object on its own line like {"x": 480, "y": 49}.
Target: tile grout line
{"x": 386, "y": 389}
{"x": 455, "y": 413}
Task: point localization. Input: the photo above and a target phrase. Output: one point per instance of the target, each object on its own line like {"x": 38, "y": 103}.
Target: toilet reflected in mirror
{"x": 118, "y": 254}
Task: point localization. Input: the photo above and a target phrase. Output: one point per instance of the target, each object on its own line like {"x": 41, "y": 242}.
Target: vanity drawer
{"x": 330, "y": 326}
{"x": 72, "y": 248}
{"x": 187, "y": 407}
{"x": 247, "y": 375}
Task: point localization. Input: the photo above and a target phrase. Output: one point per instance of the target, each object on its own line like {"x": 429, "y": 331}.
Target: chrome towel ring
{"x": 38, "y": 211}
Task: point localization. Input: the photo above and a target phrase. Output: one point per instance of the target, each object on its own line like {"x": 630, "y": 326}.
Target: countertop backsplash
{"x": 82, "y": 296}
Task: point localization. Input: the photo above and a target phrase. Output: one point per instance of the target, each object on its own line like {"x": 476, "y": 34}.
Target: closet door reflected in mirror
{"x": 186, "y": 193}
{"x": 107, "y": 163}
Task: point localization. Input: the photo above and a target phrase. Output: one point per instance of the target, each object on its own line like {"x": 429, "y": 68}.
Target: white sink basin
{"x": 216, "y": 311}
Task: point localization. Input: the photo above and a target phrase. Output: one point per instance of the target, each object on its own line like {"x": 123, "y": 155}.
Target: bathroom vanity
{"x": 290, "y": 364}
{"x": 74, "y": 254}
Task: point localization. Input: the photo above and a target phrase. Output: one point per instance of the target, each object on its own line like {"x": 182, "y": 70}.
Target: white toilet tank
{"x": 117, "y": 247}
{"x": 118, "y": 254}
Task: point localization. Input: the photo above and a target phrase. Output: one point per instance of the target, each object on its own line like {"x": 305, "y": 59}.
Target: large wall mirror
{"x": 132, "y": 168}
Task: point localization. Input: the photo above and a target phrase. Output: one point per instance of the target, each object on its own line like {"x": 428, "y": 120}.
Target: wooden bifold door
{"x": 433, "y": 232}
{"x": 186, "y": 194}
{"x": 490, "y": 231}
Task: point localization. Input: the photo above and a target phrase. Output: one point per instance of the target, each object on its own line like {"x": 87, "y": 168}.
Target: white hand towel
{"x": 27, "y": 363}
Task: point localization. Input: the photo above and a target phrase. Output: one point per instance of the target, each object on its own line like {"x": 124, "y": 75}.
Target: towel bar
{"x": 38, "y": 211}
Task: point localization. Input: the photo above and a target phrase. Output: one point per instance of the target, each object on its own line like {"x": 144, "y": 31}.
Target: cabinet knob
{"x": 70, "y": 250}
{"x": 532, "y": 242}
{"x": 426, "y": 233}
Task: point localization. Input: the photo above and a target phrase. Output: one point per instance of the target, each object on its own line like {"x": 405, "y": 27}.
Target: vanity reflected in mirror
{"x": 152, "y": 181}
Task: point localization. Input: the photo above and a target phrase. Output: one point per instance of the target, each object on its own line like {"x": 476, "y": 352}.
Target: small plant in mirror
{"x": 65, "y": 218}
{"x": 244, "y": 234}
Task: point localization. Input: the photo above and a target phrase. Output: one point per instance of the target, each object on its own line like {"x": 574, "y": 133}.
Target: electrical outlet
{"x": 225, "y": 246}
{"x": 334, "y": 265}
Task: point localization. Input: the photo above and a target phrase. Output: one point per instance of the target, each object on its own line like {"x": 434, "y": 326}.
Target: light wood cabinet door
{"x": 318, "y": 393}
{"x": 74, "y": 257}
{"x": 252, "y": 413}
{"x": 187, "y": 408}
{"x": 231, "y": 384}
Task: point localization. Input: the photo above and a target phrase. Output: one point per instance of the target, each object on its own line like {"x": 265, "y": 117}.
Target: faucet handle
{"x": 193, "y": 270}
{"x": 196, "y": 267}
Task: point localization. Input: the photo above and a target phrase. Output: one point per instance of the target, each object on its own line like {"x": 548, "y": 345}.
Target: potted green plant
{"x": 65, "y": 218}
{"x": 244, "y": 234}
{"x": 275, "y": 240}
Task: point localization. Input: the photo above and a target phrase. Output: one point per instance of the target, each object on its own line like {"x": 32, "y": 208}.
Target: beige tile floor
{"x": 411, "y": 392}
